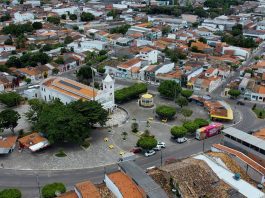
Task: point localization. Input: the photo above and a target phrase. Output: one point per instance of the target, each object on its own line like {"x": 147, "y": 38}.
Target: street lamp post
{"x": 161, "y": 157}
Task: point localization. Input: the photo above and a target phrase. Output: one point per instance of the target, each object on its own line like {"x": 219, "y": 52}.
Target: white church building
{"x": 69, "y": 90}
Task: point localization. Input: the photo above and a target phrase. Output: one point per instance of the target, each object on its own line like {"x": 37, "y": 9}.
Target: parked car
{"x": 157, "y": 148}
{"x": 240, "y": 103}
{"x": 181, "y": 140}
{"x": 149, "y": 153}
{"x": 161, "y": 144}
{"x": 136, "y": 150}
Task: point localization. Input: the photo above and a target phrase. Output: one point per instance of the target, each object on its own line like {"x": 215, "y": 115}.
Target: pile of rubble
{"x": 194, "y": 178}
{"x": 104, "y": 191}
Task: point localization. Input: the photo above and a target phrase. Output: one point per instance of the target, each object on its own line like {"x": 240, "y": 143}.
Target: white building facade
{"x": 69, "y": 90}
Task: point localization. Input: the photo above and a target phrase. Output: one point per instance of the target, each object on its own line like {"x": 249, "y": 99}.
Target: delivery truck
{"x": 208, "y": 131}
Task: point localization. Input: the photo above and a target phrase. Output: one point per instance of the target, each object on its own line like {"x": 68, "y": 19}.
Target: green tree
{"x": 61, "y": 124}
{"x": 28, "y": 80}
{"x": 190, "y": 126}
{"x": 10, "y": 99}
{"x": 165, "y": 112}
{"x": 114, "y": 13}
{"x": 147, "y": 142}
{"x": 8, "y": 41}
{"x": 166, "y": 29}
{"x": 129, "y": 93}
{"x": 55, "y": 71}
{"x": 84, "y": 74}
{"x": 169, "y": 89}
{"x": 13, "y": 62}
{"x": 186, "y": 112}
{"x": 203, "y": 40}
{"x": 63, "y": 16}
{"x": 5, "y": 17}
{"x": 37, "y": 25}
{"x": 21, "y": 41}
{"x": 201, "y": 122}
{"x": 182, "y": 101}
{"x": 36, "y": 107}
{"x": 72, "y": 17}
{"x": 234, "y": 93}
{"x": 135, "y": 127}
{"x": 178, "y": 131}
{"x": 8, "y": 119}
{"x": 86, "y": 16}
{"x": 10, "y": 193}
{"x": 186, "y": 93}
{"x": 92, "y": 111}
{"x": 59, "y": 60}
{"x": 120, "y": 29}
{"x": 49, "y": 190}
{"x": 54, "y": 19}
{"x": 68, "y": 40}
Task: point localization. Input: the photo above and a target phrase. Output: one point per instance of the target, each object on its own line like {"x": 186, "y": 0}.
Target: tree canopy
{"x": 234, "y": 93}
{"x": 169, "y": 89}
{"x": 120, "y": 29}
{"x": 186, "y": 93}
{"x": 9, "y": 119}
{"x": 129, "y": 93}
{"x": 147, "y": 142}
{"x": 86, "y": 16}
{"x": 182, "y": 101}
{"x": 178, "y": 131}
{"x": 201, "y": 122}
{"x": 70, "y": 123}
{"x": 37, "y": 25}
{"x": 17, "y": 29}
{"x": 166, "y": 112}
{"x": 10, "y": 99}
{"x": 54, "y": 19}
{"x": 191, "y": 126}
{"x": 28, "y": 59}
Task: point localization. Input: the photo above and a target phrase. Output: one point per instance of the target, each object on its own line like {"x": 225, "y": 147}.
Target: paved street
{"x": 27, "y": 180}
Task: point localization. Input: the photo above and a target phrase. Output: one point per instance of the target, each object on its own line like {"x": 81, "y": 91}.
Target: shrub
{"x": 129, "y": 93}
{"x": 60, "y": 153}
{"x": 49, "y": 190}
{"x": 178, "y": 131}
{"x": 134, "y": 127}
{"x": 10, "y": 193}
{"x": 165, "y": 112}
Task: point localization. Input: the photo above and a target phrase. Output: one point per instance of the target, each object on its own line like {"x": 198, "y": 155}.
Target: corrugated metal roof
{"x": 241, "y": 135}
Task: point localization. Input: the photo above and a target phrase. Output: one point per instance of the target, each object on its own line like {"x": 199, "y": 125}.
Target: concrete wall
{"x": 254, "y": 174}
{"x": 244, "y": 149}
{"x": 113, "y": 188}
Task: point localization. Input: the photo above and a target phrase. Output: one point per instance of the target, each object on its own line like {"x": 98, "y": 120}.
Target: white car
{"x": 161, "y": 144}
{"x": 149, "y": 153}
{"x": 182, "y": 140}
{"x": 157, "y": 148}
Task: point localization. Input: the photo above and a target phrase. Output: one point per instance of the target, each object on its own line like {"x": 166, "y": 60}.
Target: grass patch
{"x": 60, "y": 153}
{"x": 86, "y": 144}
{"x": 260, "y": 113}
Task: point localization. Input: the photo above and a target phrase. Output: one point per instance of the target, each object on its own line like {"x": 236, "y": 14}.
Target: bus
{"x": 208, "y": 131}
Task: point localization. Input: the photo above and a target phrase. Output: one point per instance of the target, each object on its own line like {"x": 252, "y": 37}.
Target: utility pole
{"x": 161, "y": 157}
{"x": 38, "y": 183}
{"x": 203, "y": 146}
